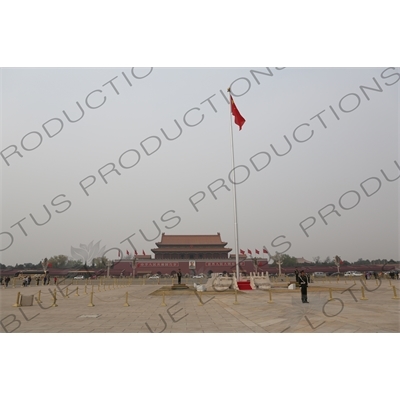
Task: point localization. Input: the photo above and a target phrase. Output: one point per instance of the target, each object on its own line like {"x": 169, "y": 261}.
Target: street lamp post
{"x": 133, "y": 266}
{"x": 45, "y": 264}
{"x": 255, "y": 263}
{"x": 108, "y": 264}
{"x": 338, "y": 261}
{"x": 278, "y": 259}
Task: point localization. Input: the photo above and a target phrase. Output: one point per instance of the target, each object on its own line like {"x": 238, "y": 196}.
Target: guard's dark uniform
{"x": 303, "y": 281}
{"x": 179, "y": 277}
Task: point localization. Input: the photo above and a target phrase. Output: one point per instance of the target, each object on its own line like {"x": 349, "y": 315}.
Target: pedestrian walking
{"x": 303, "y": 281}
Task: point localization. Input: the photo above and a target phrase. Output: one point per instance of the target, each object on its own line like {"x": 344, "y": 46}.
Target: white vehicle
{"x": 198, "y": 276}
{"x": 154, "y": 277}
{"x": 79, "y": 277}
{"x": 353, "y": 273}
{"x": 317, "y": 274}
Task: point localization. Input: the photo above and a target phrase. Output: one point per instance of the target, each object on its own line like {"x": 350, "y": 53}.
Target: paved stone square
{"x": 206, "y": 312}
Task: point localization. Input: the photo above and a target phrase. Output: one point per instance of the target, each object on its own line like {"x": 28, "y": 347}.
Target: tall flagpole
{"x": 235, "y": 219}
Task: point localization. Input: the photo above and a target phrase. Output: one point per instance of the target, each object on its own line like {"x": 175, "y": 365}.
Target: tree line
{"x": 61, "y": 262}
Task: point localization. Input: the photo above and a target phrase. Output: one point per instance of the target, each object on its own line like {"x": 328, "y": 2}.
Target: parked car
{"x": 154, "y": 277}
{"x": 353, "y": 273}
{"x": 79, "y": 277}
{"x": 319, "y": 274}
{"x": 198, "y": 276}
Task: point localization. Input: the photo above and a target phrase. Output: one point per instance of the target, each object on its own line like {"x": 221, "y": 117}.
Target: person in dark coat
{"x": 296, "y": 272}
{"x": 179, "y": 277}
{"x": 303, "y": 281}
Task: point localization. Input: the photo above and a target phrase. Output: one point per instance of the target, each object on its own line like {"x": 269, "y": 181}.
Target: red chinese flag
{"x": 127, "y": 252}
{"x": 249, "y": 251}
{"x": 135, "y": 253}
{"x": 239, "y": 120}
{"x": 143, "y": 253}
{"x": 265, "y": 250}
{"x": 119, "y": 254}
{"x": 257, "y": 252}
{"x": 241, "y": 251}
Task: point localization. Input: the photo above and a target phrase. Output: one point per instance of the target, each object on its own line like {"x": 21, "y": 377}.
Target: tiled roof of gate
{"x": 180, "y": 240}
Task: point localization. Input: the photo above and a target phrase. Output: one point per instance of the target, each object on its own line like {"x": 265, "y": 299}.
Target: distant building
{"x": 193, "y": 254}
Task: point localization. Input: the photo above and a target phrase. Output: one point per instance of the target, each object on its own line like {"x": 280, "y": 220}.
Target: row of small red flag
{"x": 265, "y": 251}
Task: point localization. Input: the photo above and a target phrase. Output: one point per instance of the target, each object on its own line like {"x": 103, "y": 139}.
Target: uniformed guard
{"x": 179, "y": 277}
{"x": 303, "y": 281}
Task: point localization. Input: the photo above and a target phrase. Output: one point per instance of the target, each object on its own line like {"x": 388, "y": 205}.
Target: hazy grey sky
{"x": 271, "y": 202}
{"x": 328, "y": 195}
